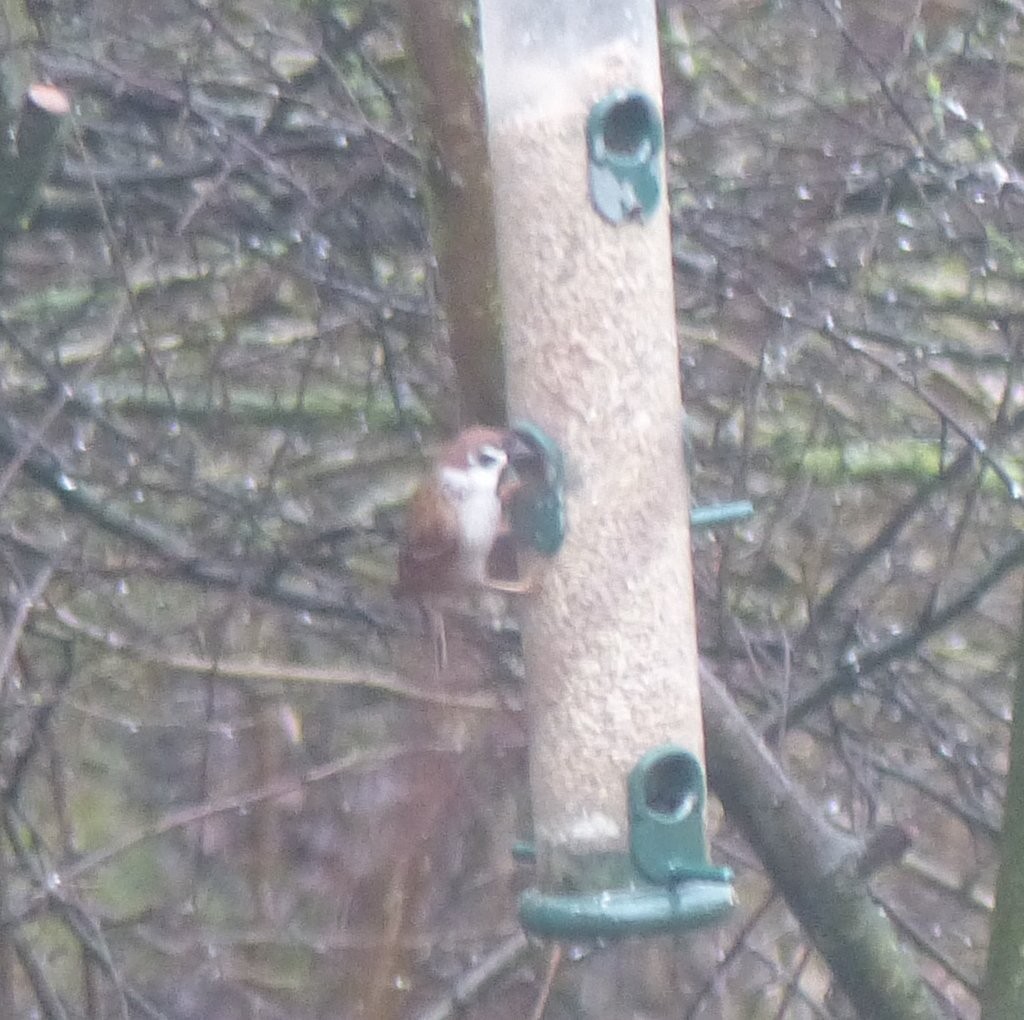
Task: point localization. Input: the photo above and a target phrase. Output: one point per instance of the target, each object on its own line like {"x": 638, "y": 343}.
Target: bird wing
{"x": 431, "y": 541}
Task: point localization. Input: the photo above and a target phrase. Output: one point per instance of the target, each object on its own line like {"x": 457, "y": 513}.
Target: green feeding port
{"x": 670, "y": 885}
{"x": 666, "y": 818}
{"x": 624, "y": 143}
{"x": 720, "y": 513}
{"x": 538, "y": 506}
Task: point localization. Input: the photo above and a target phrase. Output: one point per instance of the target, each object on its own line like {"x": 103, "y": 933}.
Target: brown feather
{"x": 472, "y": 438}
{"x": 431, "y": 542}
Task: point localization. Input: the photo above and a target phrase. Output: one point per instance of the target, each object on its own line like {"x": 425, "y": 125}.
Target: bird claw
{"x": 524, "y": 585}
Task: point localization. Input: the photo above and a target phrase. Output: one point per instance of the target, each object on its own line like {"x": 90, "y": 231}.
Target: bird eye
{"x": 487, "y": 457}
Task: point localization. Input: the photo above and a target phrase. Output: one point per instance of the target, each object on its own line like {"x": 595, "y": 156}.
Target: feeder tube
{"x": 591, "y": 357}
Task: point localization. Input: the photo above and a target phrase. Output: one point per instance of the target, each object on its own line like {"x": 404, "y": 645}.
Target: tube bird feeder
{"x": 573, "y": 92}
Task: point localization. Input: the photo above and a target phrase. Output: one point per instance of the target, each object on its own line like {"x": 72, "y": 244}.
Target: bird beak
{"x": 524, "y": 462}
{"x": 517, "y": 447}
{"x": 509, "y": 483}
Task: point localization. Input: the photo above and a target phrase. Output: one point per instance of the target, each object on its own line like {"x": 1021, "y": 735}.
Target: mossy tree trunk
{"x": 1004, "y": 983}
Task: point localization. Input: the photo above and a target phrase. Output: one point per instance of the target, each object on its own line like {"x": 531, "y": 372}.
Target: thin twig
{"x": 26, "y": 602}
{"x": 468, "y": 987}
{"x": 342, "y": 674}
{"x": 55, "y": 878}
{"x": 544, "y": 992}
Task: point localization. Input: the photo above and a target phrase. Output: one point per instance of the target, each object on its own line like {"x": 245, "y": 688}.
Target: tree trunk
{"x": 1004, "y": 982}
{"x": 461, "y": 214}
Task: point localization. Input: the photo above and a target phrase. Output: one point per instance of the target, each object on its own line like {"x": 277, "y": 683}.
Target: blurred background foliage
{"x": 229, "y": 788}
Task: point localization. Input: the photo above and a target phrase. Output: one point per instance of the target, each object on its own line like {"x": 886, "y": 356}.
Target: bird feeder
{"x": 573, "y": 92}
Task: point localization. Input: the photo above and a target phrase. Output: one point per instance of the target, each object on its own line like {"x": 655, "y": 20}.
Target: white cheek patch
{"x": 455, "y": 483}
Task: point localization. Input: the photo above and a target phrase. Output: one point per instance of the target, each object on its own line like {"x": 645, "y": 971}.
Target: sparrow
{"x": 453, "y": 521}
